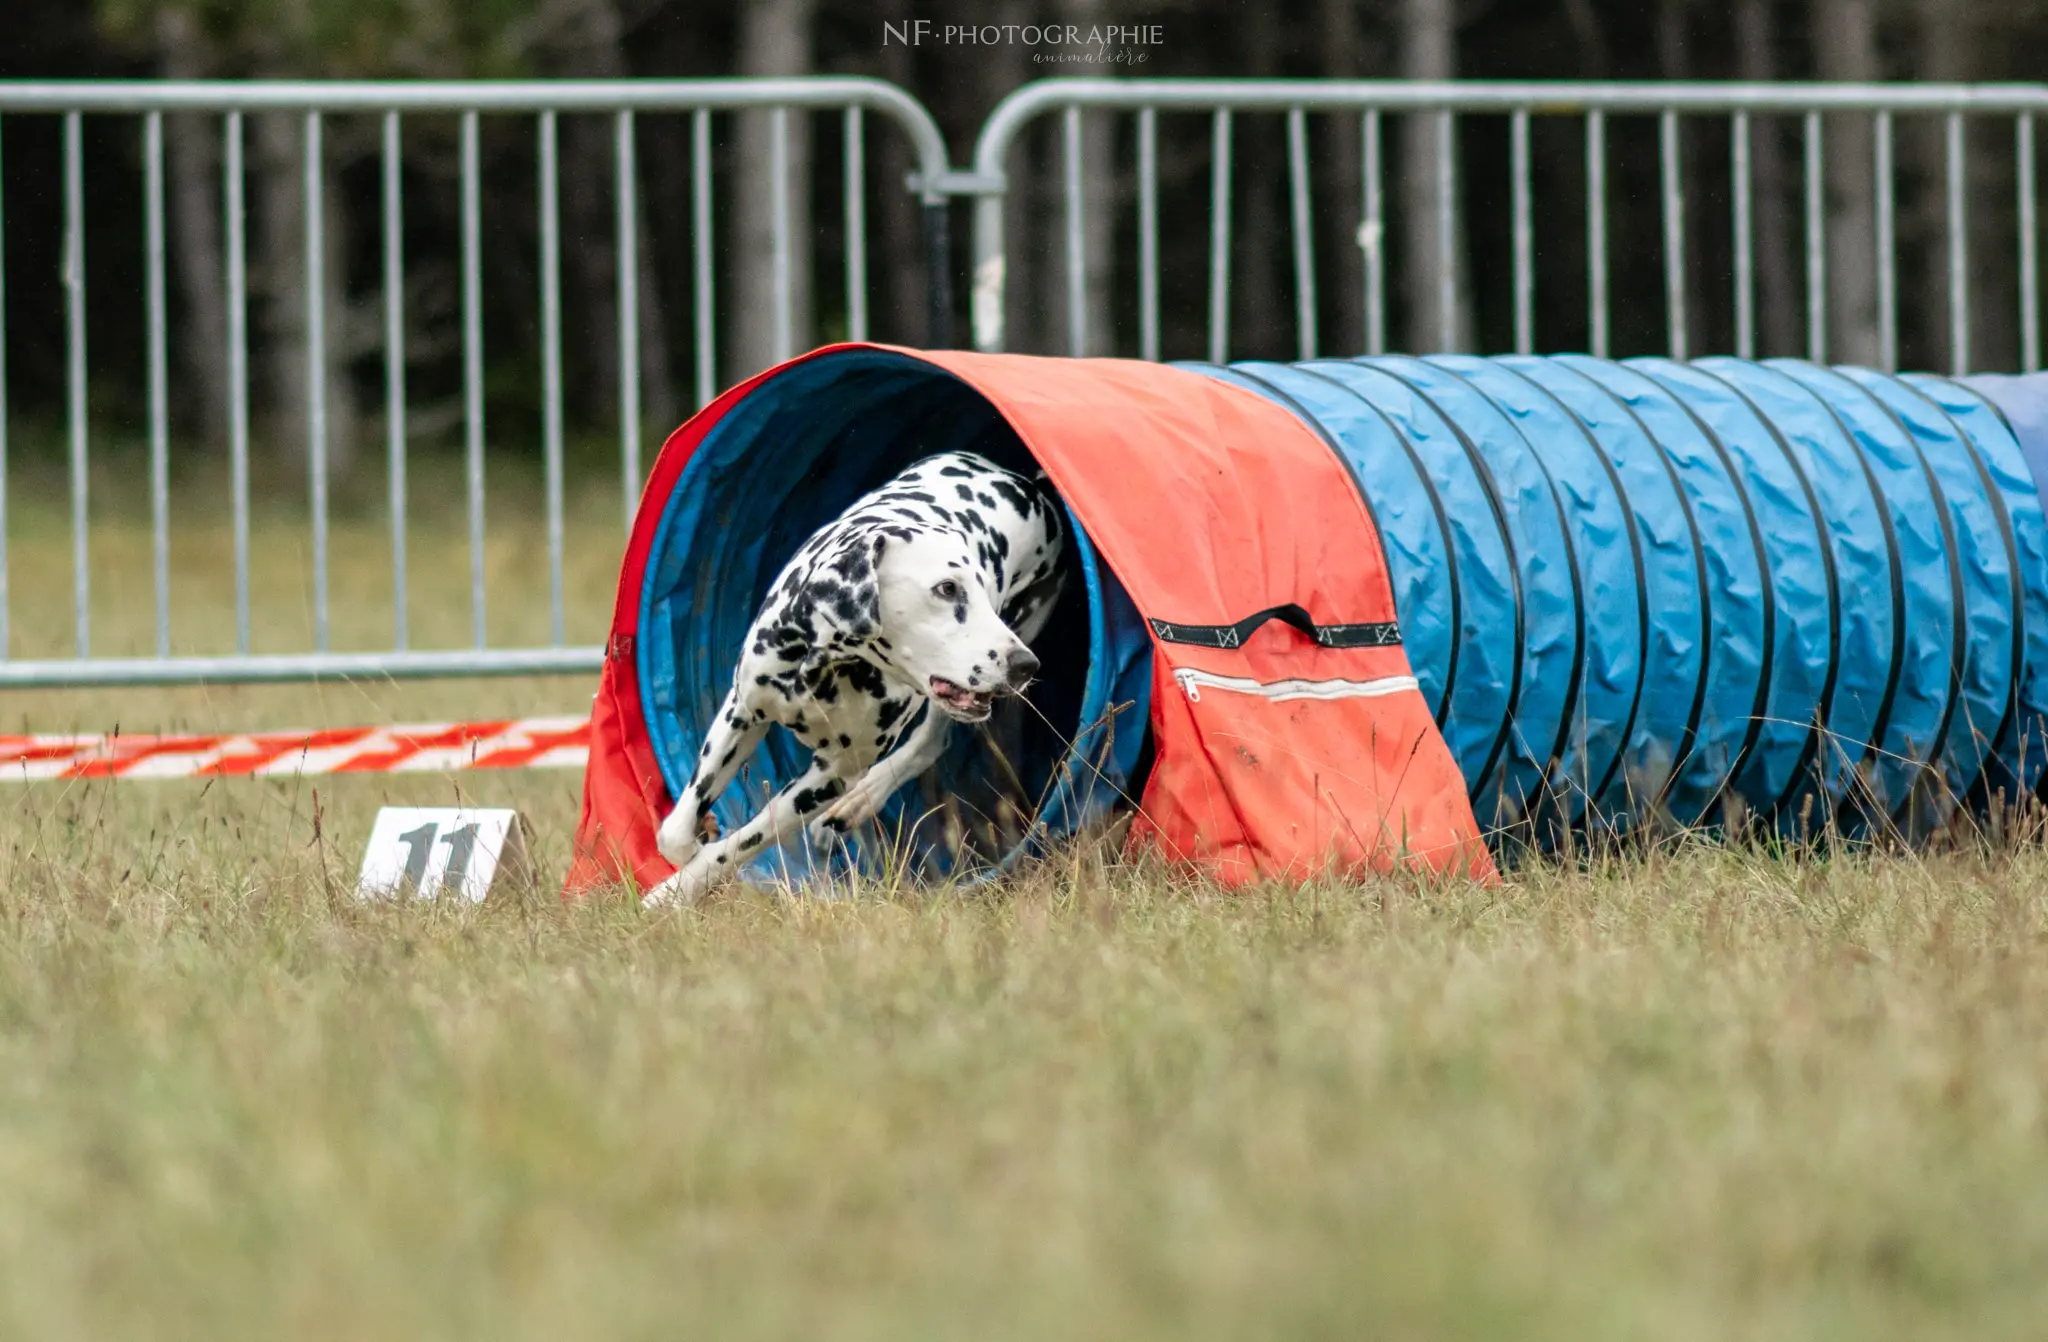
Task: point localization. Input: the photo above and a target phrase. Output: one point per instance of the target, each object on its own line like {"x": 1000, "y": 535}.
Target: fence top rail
{"x": 493, "y": 95}
{"x": 1543, "y": 97}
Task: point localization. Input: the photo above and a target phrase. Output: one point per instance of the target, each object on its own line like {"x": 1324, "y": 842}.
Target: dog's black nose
{"x": 1022, "y": 667}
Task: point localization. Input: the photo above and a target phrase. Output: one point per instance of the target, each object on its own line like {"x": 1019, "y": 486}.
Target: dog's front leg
{"x": 728, "y": 744}
{"x": 783, "y": 816}
{"x": 869, "y": 793}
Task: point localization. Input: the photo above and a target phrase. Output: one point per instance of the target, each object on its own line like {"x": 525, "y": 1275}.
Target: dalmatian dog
{"x": 911, "y": 611}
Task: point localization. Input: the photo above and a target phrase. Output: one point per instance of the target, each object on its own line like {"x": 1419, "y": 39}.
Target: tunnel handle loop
{"x": 1379, "y": 634}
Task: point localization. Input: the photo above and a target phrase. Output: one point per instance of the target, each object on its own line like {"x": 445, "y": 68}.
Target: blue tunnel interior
{"x": 1633, "y": 593}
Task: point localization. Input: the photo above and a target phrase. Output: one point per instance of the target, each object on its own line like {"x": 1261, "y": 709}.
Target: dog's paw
{"x": 681, "y": 890}
{"x": 861, "y": 802}
{"x": 677, "y": 837}
{"x": 826, "y": 831}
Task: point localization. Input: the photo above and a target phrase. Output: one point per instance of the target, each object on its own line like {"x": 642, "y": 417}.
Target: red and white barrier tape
{"x": 522, "y": 743}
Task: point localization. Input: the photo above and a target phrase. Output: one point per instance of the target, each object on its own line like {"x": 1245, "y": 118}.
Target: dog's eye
{"x": 947, "y": 590}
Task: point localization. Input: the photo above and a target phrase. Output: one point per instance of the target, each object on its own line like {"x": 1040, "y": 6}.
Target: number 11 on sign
{"x": 430, "y": 851}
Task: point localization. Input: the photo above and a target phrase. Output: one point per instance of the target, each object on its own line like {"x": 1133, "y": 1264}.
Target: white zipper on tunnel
{"x": 1193, "y": 682}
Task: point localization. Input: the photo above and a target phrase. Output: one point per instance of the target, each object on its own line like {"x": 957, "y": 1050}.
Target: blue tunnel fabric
{"x": 1633, "y": 593}
{"x": 1648, "y": 589}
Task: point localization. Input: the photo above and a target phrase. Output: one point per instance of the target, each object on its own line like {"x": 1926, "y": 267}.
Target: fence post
{"x": 938, "y": 254}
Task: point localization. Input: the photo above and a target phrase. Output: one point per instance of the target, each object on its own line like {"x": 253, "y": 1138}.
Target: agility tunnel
{"x": 1627, "y": 593}
{"x": 1814, "y": 597}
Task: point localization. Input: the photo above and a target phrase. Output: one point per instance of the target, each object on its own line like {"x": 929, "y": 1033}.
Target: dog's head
{"x": 938, "y": 623}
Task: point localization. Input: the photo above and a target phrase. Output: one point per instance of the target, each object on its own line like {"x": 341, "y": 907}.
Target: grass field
{"x": 1694, "y": 1094}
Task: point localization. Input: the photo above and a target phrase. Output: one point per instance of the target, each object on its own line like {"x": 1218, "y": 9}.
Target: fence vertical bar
{"x": 626, "y": 209}
{"x": 1596, "y": 233}
{"x": 232, "y": 187}
{"x": 1958, "y": 250}
{"x": 1372, "y": 235}
{"x": 473, "y": 365}
{"x": 316, "y": 367}
{"x": 700, "y": 244}
{"x": 2030, "y": 243}
{"x": 1524, "y": 232}
{"x": 394, "y": 372}
{"x": 778, "y": 211}
{"x": 1673, "y": 191}
{"x": 1446, "y": 232}
{"x": 1148, "y": 233}
{"x": 159, "y": 376}
{"x": 74, "y": 368}
{"x": 1219, "y": 236}
{"x": 6, "y": 604}
{"x": 1887, "y": 248}
{"x": 855, "y": 173}
{"x": 1816, "y": 244}
{"x": 551, "y": 365}
{"x": 1743, "y": 224}
{"x": 1077, "y": 261}
{"x": 1299, "y": 194}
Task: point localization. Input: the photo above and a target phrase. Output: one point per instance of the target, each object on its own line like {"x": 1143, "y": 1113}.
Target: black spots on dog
{"x": 845, "y": 741}
{"x": 955, "y": 471}
{"x": 864, "y": 679}
{"x": 752, "y": 841}
{"x": 960, "y": 612}
{"x": 916, "y": 496}
{"x": 810, "y": 799}
{"x": 852, "y": 564}
{"x": 889, "y": 714}
{"x": 1006, "y": 490}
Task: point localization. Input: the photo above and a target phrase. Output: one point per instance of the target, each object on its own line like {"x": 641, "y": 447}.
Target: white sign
{"x": 428, "y": 851}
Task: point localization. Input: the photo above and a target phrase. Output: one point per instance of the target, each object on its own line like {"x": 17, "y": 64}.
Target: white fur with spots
{"x": 921, "y": 597}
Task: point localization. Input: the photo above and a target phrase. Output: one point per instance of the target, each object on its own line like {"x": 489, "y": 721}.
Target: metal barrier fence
{"x": 544, "y": 101}
{"x": 1672, "y": 104}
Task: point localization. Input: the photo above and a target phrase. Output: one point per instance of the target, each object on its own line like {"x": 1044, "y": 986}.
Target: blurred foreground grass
{"x": 1699, "y": 1093}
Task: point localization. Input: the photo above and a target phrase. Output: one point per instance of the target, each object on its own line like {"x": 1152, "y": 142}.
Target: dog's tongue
{"x": 946, "y": 689}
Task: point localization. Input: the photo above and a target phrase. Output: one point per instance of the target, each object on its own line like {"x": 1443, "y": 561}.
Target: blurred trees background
{"x": 1544, "y": 39}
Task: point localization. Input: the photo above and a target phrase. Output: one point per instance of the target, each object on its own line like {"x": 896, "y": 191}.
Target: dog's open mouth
{"x": 961, "y": 702}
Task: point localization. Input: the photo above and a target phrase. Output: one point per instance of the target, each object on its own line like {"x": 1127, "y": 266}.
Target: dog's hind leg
{"x": 783, "y": 816}
{"x": 867, "y": 795}
{"x": 728, "y": 744}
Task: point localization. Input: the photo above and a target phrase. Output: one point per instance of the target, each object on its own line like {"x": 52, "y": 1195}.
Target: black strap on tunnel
{"x": 1381, "y": 634}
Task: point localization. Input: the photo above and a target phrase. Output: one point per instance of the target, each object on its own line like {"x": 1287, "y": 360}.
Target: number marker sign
{"x": 427, "y": 851}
